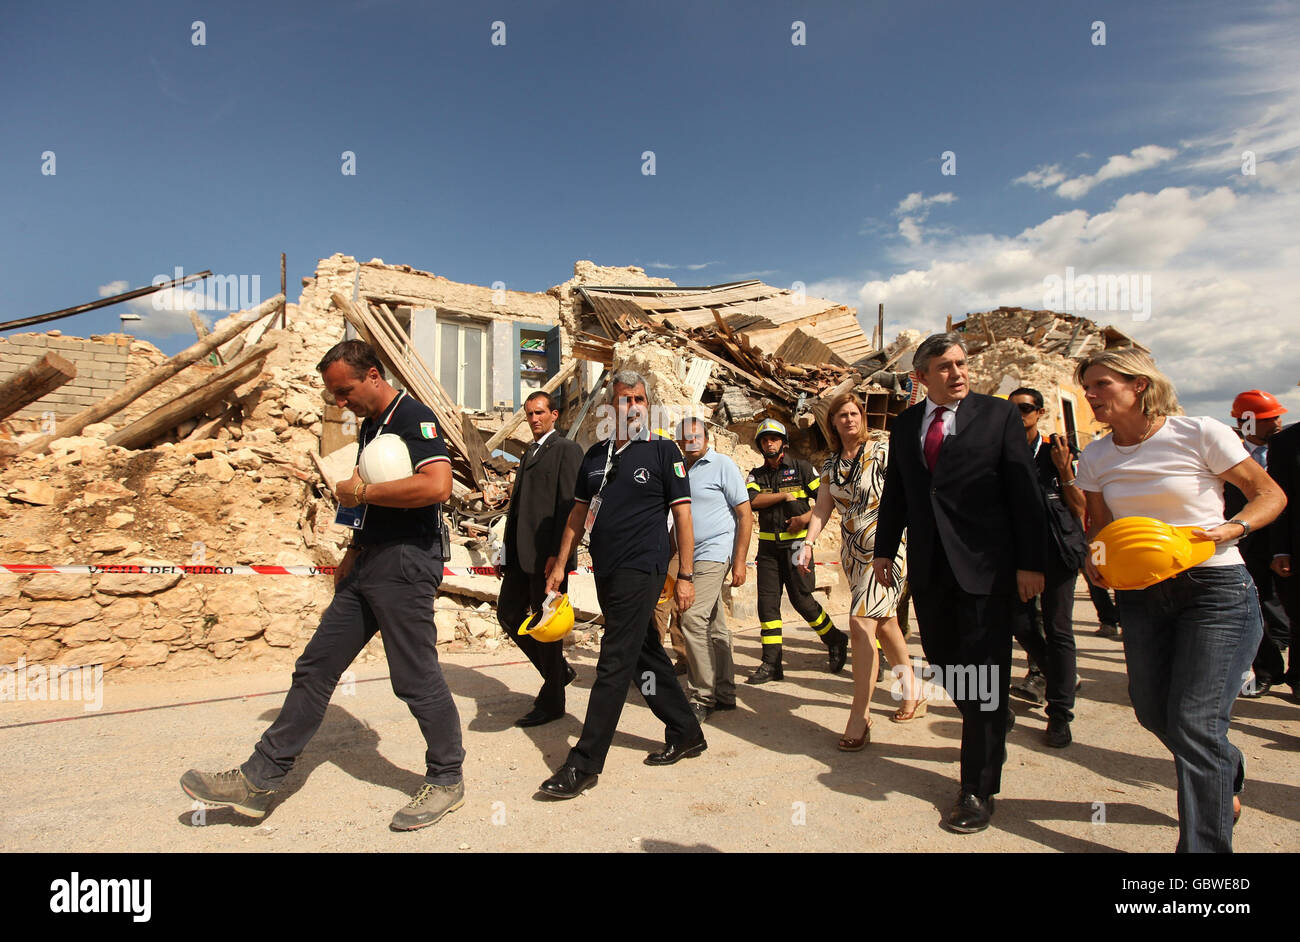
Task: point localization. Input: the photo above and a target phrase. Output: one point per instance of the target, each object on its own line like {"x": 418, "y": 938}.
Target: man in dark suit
{"x": 539, "y": 505}
{"x": 1259, "y": 417}
{"x": 963, "y": 484}
{"x": 1284, "y": 468}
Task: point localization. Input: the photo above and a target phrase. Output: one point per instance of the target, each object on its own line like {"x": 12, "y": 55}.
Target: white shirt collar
{"x": 541, "y": 440}
{"x": 931, "y": 405}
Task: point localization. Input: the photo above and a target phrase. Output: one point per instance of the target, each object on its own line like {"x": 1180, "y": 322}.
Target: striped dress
{"x": 856, "y": 487}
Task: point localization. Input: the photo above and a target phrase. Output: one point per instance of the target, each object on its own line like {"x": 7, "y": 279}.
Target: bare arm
{"x": 818, "y": 517}
{"x": 573, "y": 528}
{"x": 685, "y": 553}
{"x": 430, "y": 485}
{"x": 763, "y": 501}
{"x": 740, "y": 549}
{"x": 1264, "y": 500}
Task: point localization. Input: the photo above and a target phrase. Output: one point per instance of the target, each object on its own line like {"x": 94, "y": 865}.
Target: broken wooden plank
{"x": 195, "y": 400}
{"x": 159, "y": 374}
{"x": 33, "y": 382}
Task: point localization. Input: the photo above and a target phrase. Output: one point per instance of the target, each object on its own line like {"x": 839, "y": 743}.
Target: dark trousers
{"x": 1188, "y": 642}
{"x": 390, "y": 590}
{"x": 1268, "y": 665}
{"x": 1107, "y": 612}
{"x": 521, "y": 593}
{"x": 777, "y": 571}
{"x": 1050, "y": 645}
{"x": 968, "y": 638}
{"x": 1288, "y": 593}
{"x": 630, "y": 654}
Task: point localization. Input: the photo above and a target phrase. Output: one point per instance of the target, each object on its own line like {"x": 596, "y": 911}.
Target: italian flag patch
{"x": 679, "y": 469}
{"x": 428, "y": 429}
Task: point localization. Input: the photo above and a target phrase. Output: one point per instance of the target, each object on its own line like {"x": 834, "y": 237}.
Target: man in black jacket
{"x": 539, "y": 505}
{"x": 962, "y": 483}
{"x": 1051, "y": 648}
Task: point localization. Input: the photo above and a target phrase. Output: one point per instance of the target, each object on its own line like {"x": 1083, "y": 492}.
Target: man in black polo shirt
{"x": 386, "y": 582}
{"x": 781, "y": 491}
{"x": 626, "y": 489}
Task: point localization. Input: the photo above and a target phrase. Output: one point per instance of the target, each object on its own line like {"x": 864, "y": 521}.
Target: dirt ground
{"x": 771, "y": 779}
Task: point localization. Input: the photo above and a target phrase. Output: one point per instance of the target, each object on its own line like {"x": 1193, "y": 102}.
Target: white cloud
{"x": 114, "y": 287}
{"x": 1220, "y": 264}
{"x": 913, "y": 210}
{"x": 690, "y": 266}
{"x": 1120, "y": 165}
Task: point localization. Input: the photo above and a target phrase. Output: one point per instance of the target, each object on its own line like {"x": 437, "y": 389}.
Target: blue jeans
{"x": 1189, "y": 642}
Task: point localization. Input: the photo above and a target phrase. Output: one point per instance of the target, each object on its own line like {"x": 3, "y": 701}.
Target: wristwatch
{"x": 686, "y": 576}
{"x": 1245, "y": 527}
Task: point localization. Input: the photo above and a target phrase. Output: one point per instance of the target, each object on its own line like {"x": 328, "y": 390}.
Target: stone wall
{"x": 101, "y": 368}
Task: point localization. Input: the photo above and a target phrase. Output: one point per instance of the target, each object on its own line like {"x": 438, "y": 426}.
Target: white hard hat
{"x": 385, "y": 459}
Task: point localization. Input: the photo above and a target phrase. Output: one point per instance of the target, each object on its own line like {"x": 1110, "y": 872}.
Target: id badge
{"x": 354, "y": 517}
{"x": 592, "y": 510}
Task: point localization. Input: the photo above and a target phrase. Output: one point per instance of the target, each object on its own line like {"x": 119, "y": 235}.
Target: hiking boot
{"x": 428, "y": 806}
{"x": 768, "y": 670}
{"x": 227, "y": 790}
{"x": 837, "y": 651}
{"x": 1033, "y": 688}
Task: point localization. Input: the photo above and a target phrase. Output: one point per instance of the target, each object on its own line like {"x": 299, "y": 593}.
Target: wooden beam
{"x": 40, "y": 379}
{"x": 159, "y": 374}
{"x": 195, "y": 400}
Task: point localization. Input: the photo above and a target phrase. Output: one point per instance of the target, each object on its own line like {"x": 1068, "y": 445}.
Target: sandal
{"x": 856, "y": 745}
{"x": 917, "y": 711}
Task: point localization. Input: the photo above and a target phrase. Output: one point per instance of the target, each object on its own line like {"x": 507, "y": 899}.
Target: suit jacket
{"x": 1284, "y": 468}
{"x": 982, "y": 506}
{"x": 540, "y": 503}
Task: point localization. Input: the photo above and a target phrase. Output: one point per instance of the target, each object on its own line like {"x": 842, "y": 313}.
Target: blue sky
{"x": 818, "y": 163}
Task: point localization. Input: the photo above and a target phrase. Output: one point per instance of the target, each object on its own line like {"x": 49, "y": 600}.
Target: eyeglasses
{"x": 1026, "y": 407}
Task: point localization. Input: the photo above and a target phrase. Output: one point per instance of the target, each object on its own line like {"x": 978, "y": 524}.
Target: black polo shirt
{"x": 646, "y": 478}
{"x": 418, "y": 428}
{"x": 791, "y": 475}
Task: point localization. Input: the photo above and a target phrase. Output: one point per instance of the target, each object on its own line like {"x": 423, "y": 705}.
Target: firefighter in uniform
{"x": 781, "y": 491}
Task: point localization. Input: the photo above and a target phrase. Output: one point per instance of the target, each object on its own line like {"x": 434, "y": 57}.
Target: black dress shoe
{"x": 719, "y": 705}
{"x": 1058, "y": 734}
{"x": 970, "y": 815}
{"x": 570, "y": 675}
{"x": 1032, "y": 689}
{"x": 701, "y": 711}
{"x": 768, "y": 670}
{"x": 837, "y": 652}
{"x": 678, "y": 750}
{"x": 536, "y": 717}
{"x": 568, "y": 783}
{"x": 1257, "y": 689}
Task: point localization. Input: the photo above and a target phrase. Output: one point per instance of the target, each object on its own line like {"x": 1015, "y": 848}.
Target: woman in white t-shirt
{"x": 1189, "y": 640}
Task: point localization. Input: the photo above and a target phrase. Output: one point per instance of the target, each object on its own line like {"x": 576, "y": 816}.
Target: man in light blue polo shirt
{"x": 722, "y": 522}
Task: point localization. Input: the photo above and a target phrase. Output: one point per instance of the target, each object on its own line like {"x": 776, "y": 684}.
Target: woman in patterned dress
{"x": 852, "y": 480}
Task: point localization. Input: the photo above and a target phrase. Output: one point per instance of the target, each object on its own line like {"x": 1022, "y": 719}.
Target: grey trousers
{"x": 708, "y": 639}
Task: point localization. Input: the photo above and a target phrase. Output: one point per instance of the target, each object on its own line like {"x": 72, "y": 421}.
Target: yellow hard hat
{"x": 667, "y": 592}
{"x": 1137, "y": 552}
{"x": 555, "y": 622}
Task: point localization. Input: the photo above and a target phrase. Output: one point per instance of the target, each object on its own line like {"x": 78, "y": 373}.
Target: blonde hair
{"x": 1158, "y": 398}
{"x": 838, "y": 403}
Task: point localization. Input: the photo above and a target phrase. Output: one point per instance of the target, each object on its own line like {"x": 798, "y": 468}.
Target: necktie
{"x": 934, "y": 438}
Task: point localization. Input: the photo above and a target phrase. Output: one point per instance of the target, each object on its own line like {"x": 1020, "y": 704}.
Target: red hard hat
{"x": 1258, "y": 403}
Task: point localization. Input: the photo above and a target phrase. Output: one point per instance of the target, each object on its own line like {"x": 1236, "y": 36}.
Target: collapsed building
{"x": 223, "y": 456}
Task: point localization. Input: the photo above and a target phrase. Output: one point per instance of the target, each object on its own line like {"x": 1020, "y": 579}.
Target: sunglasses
{"x": 1026, "y": 407}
